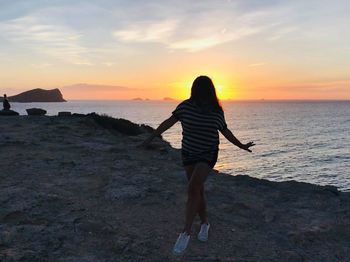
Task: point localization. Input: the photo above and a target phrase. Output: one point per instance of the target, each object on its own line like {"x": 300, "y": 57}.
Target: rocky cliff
{"x": 81, "y": 190}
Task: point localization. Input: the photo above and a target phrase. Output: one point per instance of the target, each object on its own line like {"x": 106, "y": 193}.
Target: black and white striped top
{"x": 199, "y": 129}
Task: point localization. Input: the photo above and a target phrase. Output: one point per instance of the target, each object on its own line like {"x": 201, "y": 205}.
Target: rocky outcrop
{"x": 64, "y": 113}
{"x": 74, "y": 190}
{"x": 38, "y": 95}
{"x": 8, "y": 113}
{"x": 36, "y": 112}
{"x": 120, "y": 125}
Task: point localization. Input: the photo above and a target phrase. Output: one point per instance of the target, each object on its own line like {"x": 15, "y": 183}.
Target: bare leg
{"x": 189, "y": 171}
{"x": 195, "y": 201}
{"x": 202, "y": 212}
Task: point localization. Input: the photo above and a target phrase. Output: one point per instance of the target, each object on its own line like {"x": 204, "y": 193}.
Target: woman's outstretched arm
{"x": 165, "y": 125}
{"x": 230, "y": 137}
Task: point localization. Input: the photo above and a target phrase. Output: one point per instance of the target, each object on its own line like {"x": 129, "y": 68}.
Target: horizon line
{"x": 222, "y": 100}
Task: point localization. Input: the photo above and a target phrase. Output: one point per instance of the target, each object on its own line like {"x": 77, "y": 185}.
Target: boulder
{"x": 35, "y": 111}
{"x": 64, "y": 113}
{"x": 8, "y": 113}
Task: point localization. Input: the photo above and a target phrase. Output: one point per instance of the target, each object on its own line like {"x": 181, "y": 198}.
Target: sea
{"x": 307, "y": 141}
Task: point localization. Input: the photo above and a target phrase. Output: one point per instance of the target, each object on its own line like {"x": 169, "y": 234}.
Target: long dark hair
{"x": 203, "y": 94}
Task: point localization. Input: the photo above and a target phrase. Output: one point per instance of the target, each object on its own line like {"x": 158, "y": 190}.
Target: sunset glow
{"x": 155, "y": 49}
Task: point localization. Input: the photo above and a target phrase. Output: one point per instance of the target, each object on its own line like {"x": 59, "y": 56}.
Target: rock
{"x": 35, "y": 111}
{"x": 64, "y": 113}
{"x": 74, "y": 191}
{"x": 78, "y": 115}
{"x": 121, "y": 125}
{"x": 331, "y": 189}
{"x": 121, "y": 245}
{"x": 124, "y": 193}
{"x": 8, "y": 113}
{"x": 269, "y": 216}
{"x": 168, "y": 195}
{"x": 291, "y": 256}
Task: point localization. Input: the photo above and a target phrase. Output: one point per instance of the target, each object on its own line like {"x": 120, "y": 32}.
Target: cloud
{"x": 319, "y": 86}
{"x": 282, "y": 32}
{"x": 94, "y": 87}
{"x": 108, "y": 64}
{"x": 147, "y": 32}
{"x": 100, "y": 91}
{"x": 42, "y": 65}
{"x": 198, "y": 31}
{"x": 91, "y": 33}
{"x": 54, "y": 40}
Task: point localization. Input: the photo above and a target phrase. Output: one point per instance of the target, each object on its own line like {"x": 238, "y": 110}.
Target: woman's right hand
{"x": 247, "y": 146}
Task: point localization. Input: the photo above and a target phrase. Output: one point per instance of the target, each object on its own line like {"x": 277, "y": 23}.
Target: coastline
{"x": 74, "y": 190}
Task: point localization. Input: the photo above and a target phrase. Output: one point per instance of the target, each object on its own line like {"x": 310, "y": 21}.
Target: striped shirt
{"x": 199, "y": 129}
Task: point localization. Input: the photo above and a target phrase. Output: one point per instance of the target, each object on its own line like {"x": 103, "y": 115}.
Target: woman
{"x": 201, "y": 117}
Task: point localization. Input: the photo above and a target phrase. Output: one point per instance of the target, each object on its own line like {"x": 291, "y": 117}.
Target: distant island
{"x": 141, "y": 99}
{"x": 38, "y": 95}
{"x": 168, "y": 99}
{"x": 147, "y": 99}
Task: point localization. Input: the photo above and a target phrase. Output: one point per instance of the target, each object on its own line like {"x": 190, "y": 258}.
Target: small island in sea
{"x": 141, "y": 99}
{"x": 168, "y": 99}
{"x": 37, "y": 95}
{"x": 79, "y": 189}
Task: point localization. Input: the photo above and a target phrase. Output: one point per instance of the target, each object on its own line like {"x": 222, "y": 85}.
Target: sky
{"x": 119, "y": 49}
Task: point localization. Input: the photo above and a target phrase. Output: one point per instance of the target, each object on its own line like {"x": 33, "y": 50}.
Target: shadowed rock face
{"x": 8, "y": 113}
{"x": 35, "y": 111}
{"x": 81, "y": 190}
{"x": 38, "y": 95}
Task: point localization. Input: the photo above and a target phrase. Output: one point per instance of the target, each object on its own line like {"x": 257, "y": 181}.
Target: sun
{"x": 225, "y": 88}
{"x": 222, "y": 93}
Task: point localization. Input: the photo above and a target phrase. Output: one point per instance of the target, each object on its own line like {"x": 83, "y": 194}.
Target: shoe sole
{"x": 178, "y": 253}
{"x": 202, "y": 240}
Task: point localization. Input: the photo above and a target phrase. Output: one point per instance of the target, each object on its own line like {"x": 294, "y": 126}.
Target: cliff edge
{"x": 74, "y": 190}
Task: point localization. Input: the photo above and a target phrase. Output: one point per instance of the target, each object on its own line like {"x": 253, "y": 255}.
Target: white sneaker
{"x": 181, "y": 243}
{"x": 203, "y": 233}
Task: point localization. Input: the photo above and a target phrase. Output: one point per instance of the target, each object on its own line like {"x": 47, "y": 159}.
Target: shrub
{"x": 121, "y": 125}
